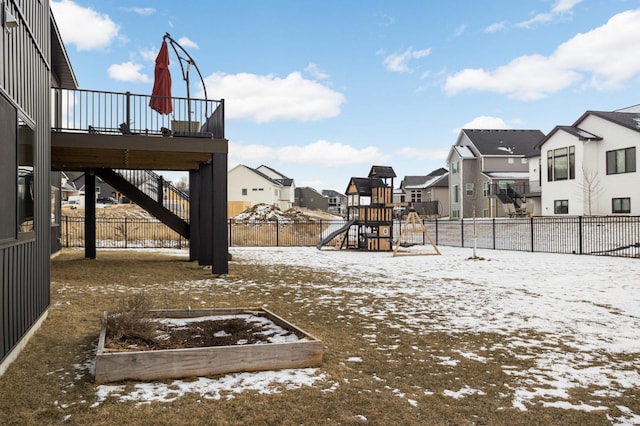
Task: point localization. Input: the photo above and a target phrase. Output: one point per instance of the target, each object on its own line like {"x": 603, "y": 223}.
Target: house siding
{"x": 259, "y": 189}
{"x": 25, "y": 83}
{"x": 591, "y": 159}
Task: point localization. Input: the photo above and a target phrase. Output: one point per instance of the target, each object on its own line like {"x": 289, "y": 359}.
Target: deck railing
{"x": 95, "y": 111}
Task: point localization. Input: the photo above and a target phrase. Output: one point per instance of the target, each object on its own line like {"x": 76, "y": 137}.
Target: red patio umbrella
{"x": 161, "y": 93}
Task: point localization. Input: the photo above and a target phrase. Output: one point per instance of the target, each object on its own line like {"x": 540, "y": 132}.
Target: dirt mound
{"x": 131, "y": 211}
{"x": 264, "y": 212}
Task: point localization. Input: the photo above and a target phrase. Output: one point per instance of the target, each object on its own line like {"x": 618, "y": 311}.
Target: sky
{"x": 581, "y": 344}
{"x": 321, "y": 91}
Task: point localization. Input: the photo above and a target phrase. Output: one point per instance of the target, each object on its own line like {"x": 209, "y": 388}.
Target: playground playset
{"x": 370, "y": 209}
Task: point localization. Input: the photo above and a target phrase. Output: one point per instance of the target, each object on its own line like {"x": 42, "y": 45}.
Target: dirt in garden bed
{"x": 157, "y": 335}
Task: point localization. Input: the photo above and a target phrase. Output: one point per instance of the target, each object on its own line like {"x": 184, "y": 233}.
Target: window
{"x": 621, "y": 161}
{"x": 485, "y": 212}
{"x": 26, "y": 198}
{"x": 454, "y": 167}
{"x": 244, "y": 191}
{"x": 416, "y": 195}
{"x": 455, "y": 194}
{"x": 55, "y": 201}
{"x": 469, "y": 189}
{"x": 486, "y": 189}
{"x": 621, "y": 205}
{"x": 524, "y": 161}
{"x": 455, "y": 214}
{"x": 8, "y": 168}
{"x": 510, "y": 160}
{"x": 561, "y": 207}
{"x": 561, "y": 164}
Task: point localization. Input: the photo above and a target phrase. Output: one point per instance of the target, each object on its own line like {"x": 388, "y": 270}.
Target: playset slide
{"x": 335, "y": 233}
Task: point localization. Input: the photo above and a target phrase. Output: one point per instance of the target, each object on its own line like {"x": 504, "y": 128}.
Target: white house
{"x": 261, "y": 185}
{"x": 589, "y": 168}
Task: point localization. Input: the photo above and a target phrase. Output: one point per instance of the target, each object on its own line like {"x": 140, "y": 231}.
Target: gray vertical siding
{"x": 25, "y": 81}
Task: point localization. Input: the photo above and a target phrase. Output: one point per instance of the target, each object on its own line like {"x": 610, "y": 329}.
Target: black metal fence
{"x": 605, "y": 235}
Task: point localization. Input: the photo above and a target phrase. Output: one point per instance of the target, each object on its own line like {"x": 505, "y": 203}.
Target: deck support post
{"x": 219, "y": 240}
{"x": 90, "y": 214}
{"x": 194, "y": 215}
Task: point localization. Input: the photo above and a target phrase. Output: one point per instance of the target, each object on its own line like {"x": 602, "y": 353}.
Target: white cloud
{"x": 250, "y": 153}
{"x": 316, "y": 72}
{"x": 149, "y": 54}
{"x": 321, "y": 152}
{"x": 424, "y": 153}
{"x": 558, "y": 10}
{"x": 484, "y": 122}
{"x": 460, "y": 30}
{"x": 265, "y": 98}
{"x": 606, "y": 56}
{"x": 82, "y": 26}
{"x": 144, "y": 11}
{"x": 128, "y": 71}
{"x": 186, "y": 43}
{"x": 494, "y": 28}
{"x": 330, "y": 154}
{"x": 399, "y": 62}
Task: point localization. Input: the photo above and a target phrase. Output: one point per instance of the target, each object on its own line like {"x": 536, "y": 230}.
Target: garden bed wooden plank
{"x": 176, "y": 363}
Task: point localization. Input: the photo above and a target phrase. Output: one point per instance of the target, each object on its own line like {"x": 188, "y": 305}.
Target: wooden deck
{"x": 79, "y": 151}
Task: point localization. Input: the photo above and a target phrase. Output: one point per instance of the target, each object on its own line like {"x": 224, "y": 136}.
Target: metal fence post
{"x": 66, "y": 224}
{"x": 125, "y": 232}
{"x": 580, "y": 234}
{"x": 493, "y": 231}
{"x": 230, "y": 233}
{"x": 436, "y": 231}
{"x": 532, "y": 233}
{"x": 461, "y": 232}
{"x": 277, "y": 234}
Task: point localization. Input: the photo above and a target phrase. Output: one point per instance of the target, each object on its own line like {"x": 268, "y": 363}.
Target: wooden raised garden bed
{"x": 297, "y": 349}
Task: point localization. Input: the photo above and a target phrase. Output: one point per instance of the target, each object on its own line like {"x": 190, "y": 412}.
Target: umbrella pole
{"x": 185, "y": 75}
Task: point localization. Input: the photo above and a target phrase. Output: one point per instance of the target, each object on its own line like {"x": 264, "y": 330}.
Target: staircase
{"x": 509, "y": 196}
{"x": 150, "y": 191}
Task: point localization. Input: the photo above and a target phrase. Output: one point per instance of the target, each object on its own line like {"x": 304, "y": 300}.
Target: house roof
{"x": 630, "y": 120}
{"x": 281, "y": 176}
{"x": 582, "y": 135}
{"x": 437, "y": 177}
{"x": 628, "y": 117}
{"x": 284, "y": 182}
{"x": 331, "y": 193}
{"x": 382, "y": 172}
{"x": 496, "y": 142}
{"x": 308, "y": 188}
{"x": 462, "y": 151}
{"x": 60, "y": 64}
{"x": 507, "y": 175}
{"x": 363, "y": 185}
{"x": 277, "y": 182}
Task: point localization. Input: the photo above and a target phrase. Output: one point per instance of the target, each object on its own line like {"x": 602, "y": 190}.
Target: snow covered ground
{"x": 588, "y": 304}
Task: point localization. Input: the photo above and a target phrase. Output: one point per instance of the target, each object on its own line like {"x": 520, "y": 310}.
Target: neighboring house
{"x": 32, "y": 60}
{"x": 103, "y": 189}
{"x": 590, "y": 167}
{"x": 488, "y": 170}
{"x": 261, "y": 185}
{"x": 337, "y": 201}
{"x": 428, "y": 195}
{"x": 309, "y": 198}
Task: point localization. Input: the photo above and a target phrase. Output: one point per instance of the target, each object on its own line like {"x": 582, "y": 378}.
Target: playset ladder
{"x": 413, "y": 224}
{"x": 340, "y": 240}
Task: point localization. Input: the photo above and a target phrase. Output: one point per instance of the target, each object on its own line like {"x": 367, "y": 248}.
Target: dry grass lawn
{"x": 50, "y": 383}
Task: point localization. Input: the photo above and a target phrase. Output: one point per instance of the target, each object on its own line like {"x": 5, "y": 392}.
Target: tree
{"x": 182, "y": 184}
{"x": 474, "y": 197}
{"x": 590, "y": 187}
